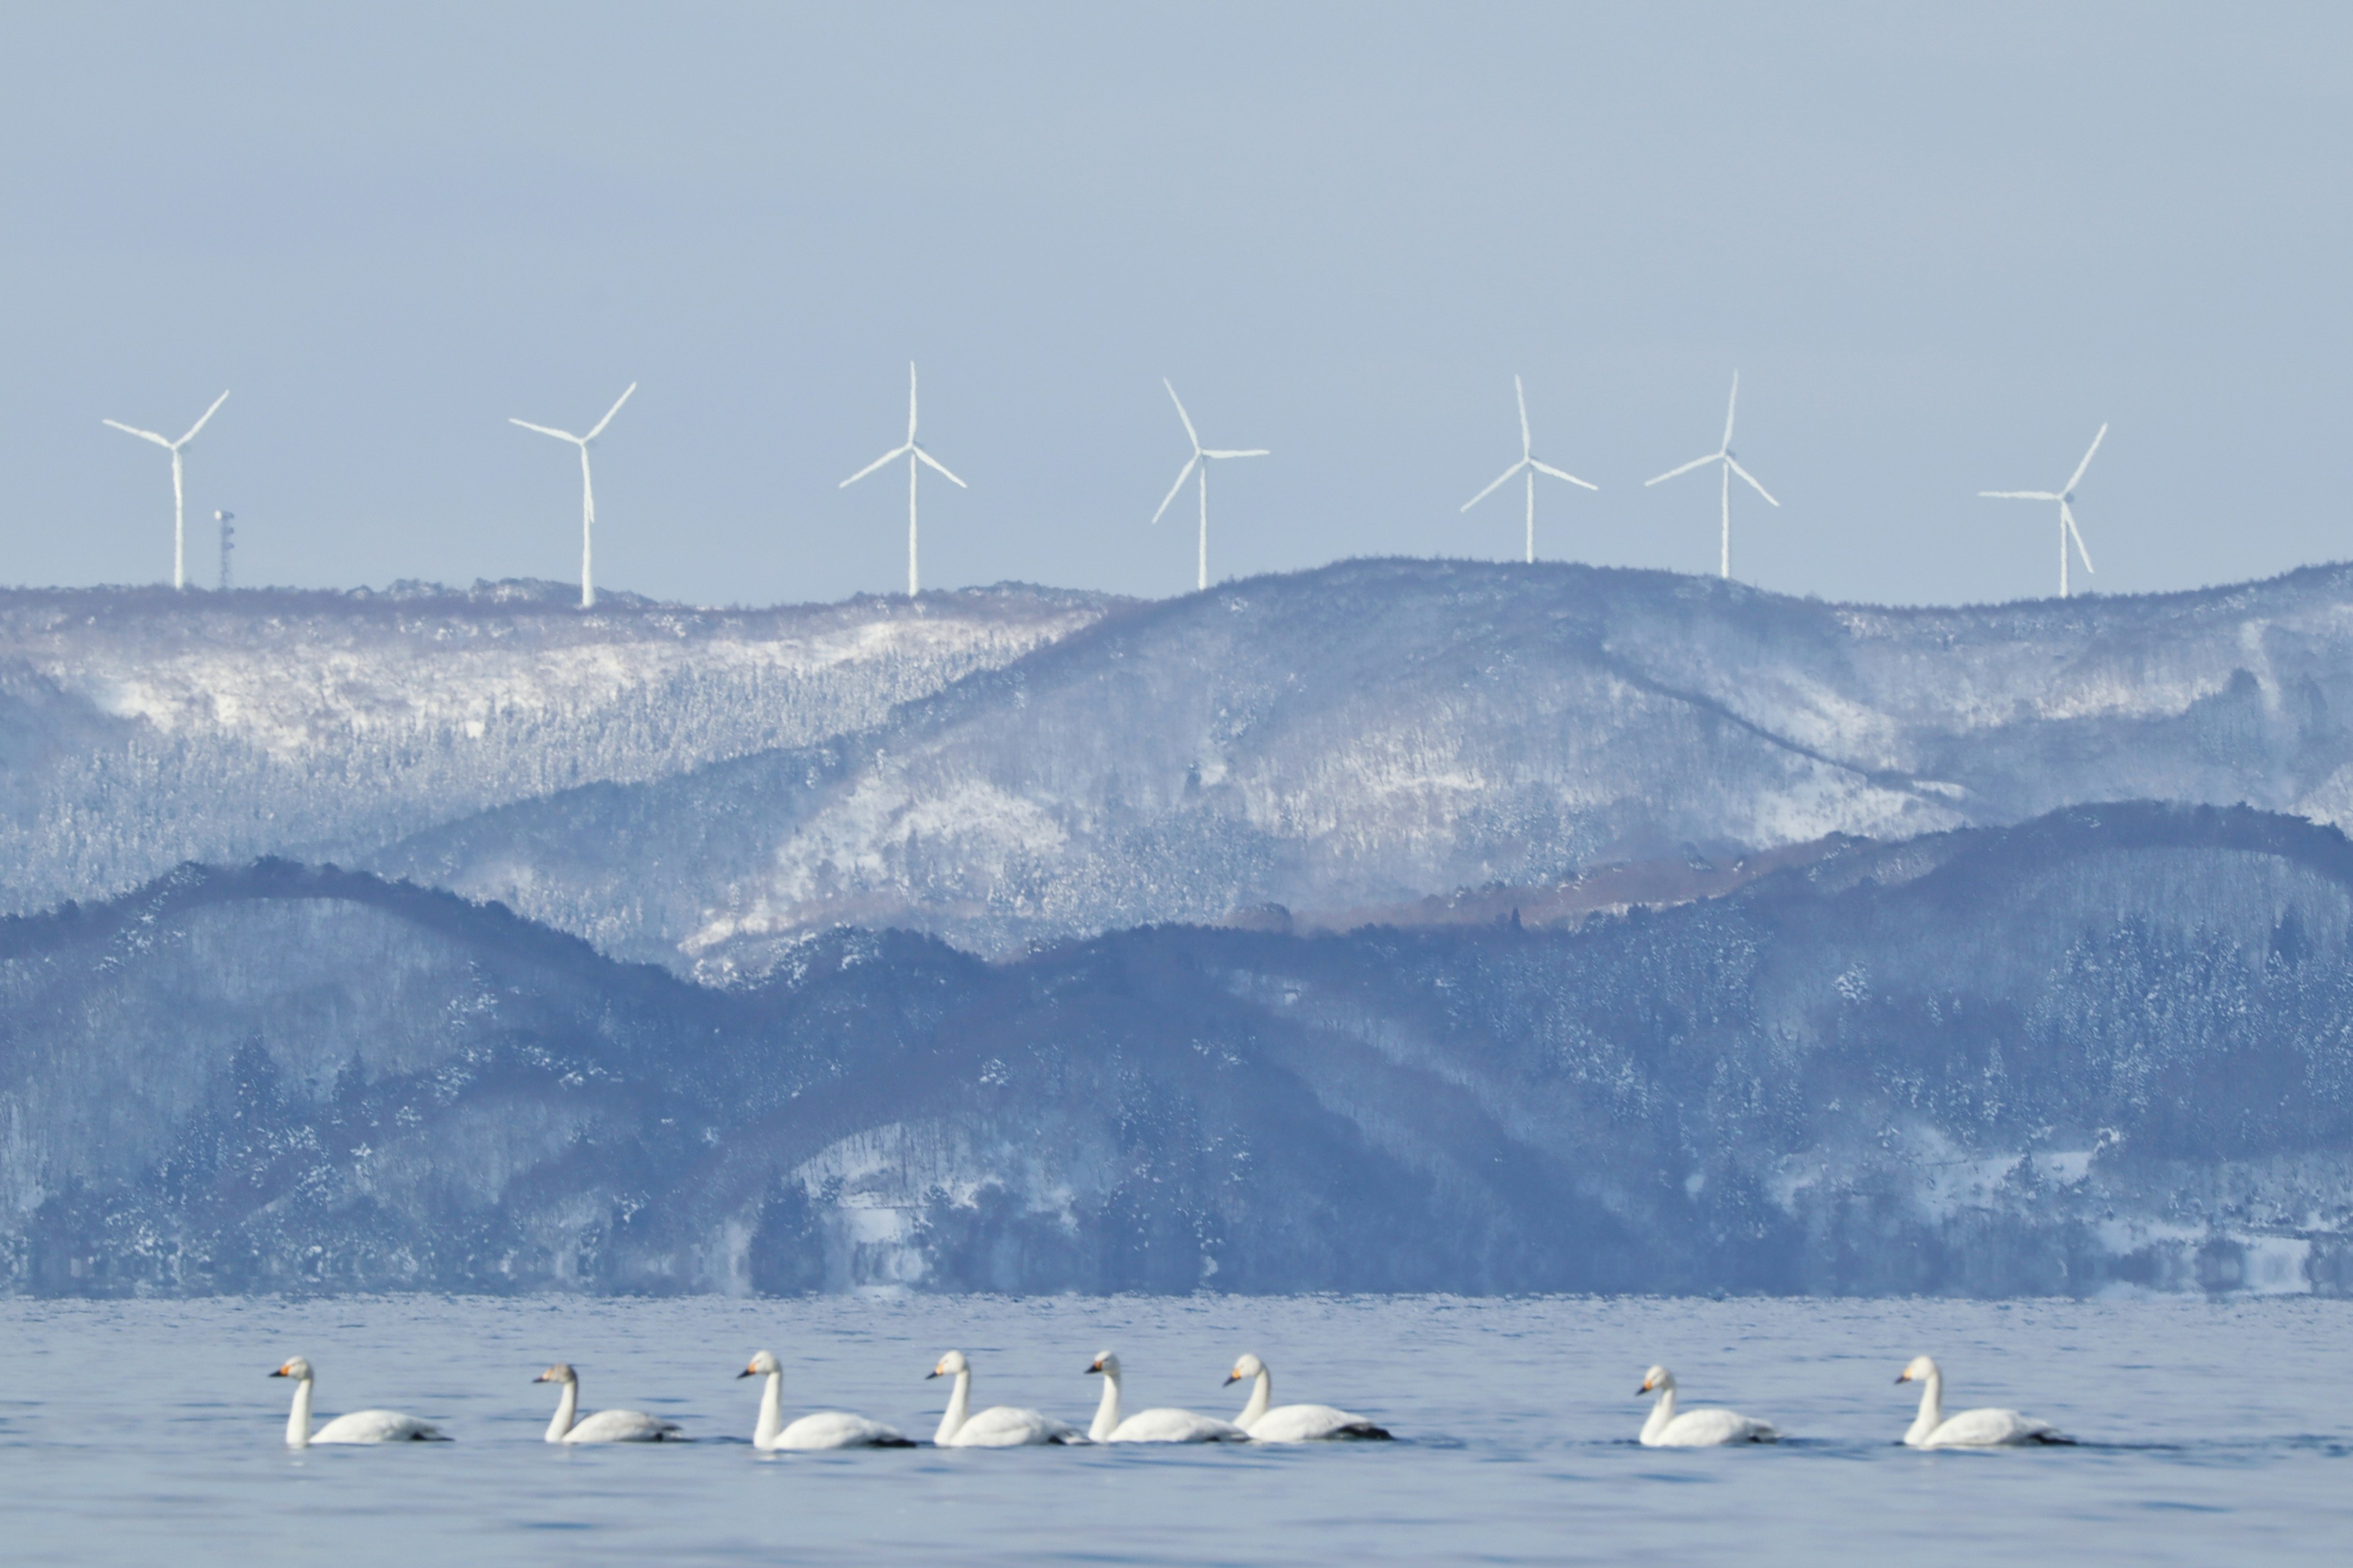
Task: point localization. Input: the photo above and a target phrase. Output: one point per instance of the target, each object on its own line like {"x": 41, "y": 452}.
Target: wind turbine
{"x": 914, "y": 454}
{"x": 1202, "y": 456}
{"x": 1722, "y": 453}
{"x": 2064, "y": 494}
{"x": 179, "y": 495}
{"x": 588, "y": 492}
{"x": 1531, "y": 468}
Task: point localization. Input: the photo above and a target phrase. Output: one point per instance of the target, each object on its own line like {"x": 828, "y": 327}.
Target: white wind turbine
{"x": 1202, "y": 456}
{"x": 914, "y": 454}
{"x": 179, "y": 497}
{"x": 587, "y": 493}
{"x": 2062, "y": 495}
{"x": 1529, "y": 466}
{"x": 1722, "y": 453}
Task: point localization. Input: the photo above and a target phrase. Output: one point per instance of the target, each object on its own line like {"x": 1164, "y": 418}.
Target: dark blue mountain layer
{"x": 2108, "y": 1048}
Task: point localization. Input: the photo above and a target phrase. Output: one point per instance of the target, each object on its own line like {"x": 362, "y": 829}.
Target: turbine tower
{"x": 587, "y": 493}
{"x": 914, "y": 452}
{"x": 179, "y": 494}
{"x": 1722, "y": 453}
{"x": 2064, "y": 494}
{"x": 1529, "y": 466}
{"x": 227, "y": 520}
{"x": 1202, "y": 456}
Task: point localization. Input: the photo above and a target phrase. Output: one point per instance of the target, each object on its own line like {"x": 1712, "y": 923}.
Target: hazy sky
{"x": 1941, "y": 246}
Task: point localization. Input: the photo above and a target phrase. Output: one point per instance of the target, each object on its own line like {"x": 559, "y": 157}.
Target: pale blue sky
{"x": 1942, "y": 245}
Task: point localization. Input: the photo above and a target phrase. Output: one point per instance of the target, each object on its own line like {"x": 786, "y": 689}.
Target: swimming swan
{"x": 1989, "y": 1428}
{"x": 999, "y": 1426}
{"x": 821, "y": 1429}
{"x": 1165, "y": 1424}
{"x": 1292, "y": 1423}
{"x": 606, "y": 1426}
{"x": 1707, "y": 1428}
{"x": 359, "y": 1426}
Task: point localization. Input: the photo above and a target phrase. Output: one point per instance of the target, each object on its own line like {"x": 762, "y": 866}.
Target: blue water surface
{"x": 149, "y": 1431}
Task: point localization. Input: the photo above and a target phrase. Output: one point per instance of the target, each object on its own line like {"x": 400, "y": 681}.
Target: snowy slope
{"x": 1377, "y": 732}
{"x": 2113, "y": 1046}
{"x": 141, "y": 728}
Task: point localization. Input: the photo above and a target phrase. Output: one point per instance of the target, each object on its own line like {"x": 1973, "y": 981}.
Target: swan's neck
{"x": 298, "y": 1420}
{"x": 1663, "y": 1410}
{"x": 568, "y": 1407}
{"x": 772, "y": 1412}
{"x": 1106, "y": 1412}
{"x": 1932, "y": 1408}
{"x": 1261, "y": 1395}
{"x": 959, "y": 1406}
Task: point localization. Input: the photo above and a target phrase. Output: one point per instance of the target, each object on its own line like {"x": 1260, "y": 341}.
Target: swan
{"x": 1292, "y": 1423}
{"x": 999, "y": 1426}
{"x": 359, "y": 1426}
{"x": 606, "y": 1426}
{"x": 1165, "y": 1424}
{"x": 1988, "y": 1429}
{"x": 1707, "y": 1428}
{"x": 821, "y": 1429}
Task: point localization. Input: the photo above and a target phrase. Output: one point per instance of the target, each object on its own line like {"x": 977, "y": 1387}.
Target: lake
{"x": 150, "y": 1431}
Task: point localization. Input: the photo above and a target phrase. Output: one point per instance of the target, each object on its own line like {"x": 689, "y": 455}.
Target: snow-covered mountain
{"x": 140, "y": 728}
{"x": 1355, "y": 738}
{"x": 2112, "y": 1047}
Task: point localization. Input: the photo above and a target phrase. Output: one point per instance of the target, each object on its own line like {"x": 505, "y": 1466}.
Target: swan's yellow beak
{"x": 748, "y": 1372}
{"x": 1645, "y": 1388}
{"x": 1903, "y": 1377}
{"x": 1234, "y": 1376}
{"x": 934, "y": 1372}
{"x": 280, "y": 1373}
{"x": 1097, "y": 1365}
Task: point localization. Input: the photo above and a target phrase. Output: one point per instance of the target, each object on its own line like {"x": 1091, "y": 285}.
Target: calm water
{"x": 143, "y": 1432}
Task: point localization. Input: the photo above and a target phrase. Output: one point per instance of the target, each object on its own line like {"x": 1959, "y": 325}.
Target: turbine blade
{"x": 1687, "y": 467}
{"x": 559, "y": 434}
{"x": 1253, "y": 452}
{"x": 599, "y": 430}
{"x": 1733, "y": 463}
{"x": 1490, "y": 489}
{"x": 925, "y": 457}
{"x": 1556, "y": 473}
{"x": 894, "y": 452}
{"x": 2018, "y": 495}
{"x": 1189, "y": 433}
{"x": 911, "y": 407}
{"x": 223, "y": 398}
{"x": 1728, "y": 409}
{"x": 142, "y": 435}
{"x": 2086, "y": 463}
{"x": 2074, "y": 534}
{"x": 1521, "y": 393}
{"x": 1182, "y": 475}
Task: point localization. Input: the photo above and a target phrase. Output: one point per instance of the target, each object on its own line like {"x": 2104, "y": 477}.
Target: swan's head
{"x": 1920, "y": 1370}
{"x": 1657, "y": 1380}
{"x": 763, "y": 1364}
{"x": 950, "y": 1365}
{"x": 560, "y": 1372}
{"x": 1107, "y": 1364}
{"x": 1248, "y": 1367}
{"x": 297, "y": 1368}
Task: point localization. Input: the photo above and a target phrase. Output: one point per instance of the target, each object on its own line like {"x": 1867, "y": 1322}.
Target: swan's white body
{"x": 1985, "y": 1428}
{"x": 999, "y": 1426}
{"x": 606, "y": 1426}
{"x": 1165, "y": 1424}
{"x": 1266, "y": 1422}
{"x": 819, "y": 1429}
{"x": 359, "y": 1426}
{"x": 1706, "y": 1428}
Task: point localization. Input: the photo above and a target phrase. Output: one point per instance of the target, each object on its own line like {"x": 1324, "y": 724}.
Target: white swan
{"x": 1708, "y": 1428}
{"x": 1292, "y": 1423}
{"x": 606, "y": 1426}
{"x": 999, "y": 1426}
{"x": 1165, "y": 1424}
{"x": 359, "y": 1426}
{"x": 820, "y": 1429}
{"x": 1987, "y": 1428}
